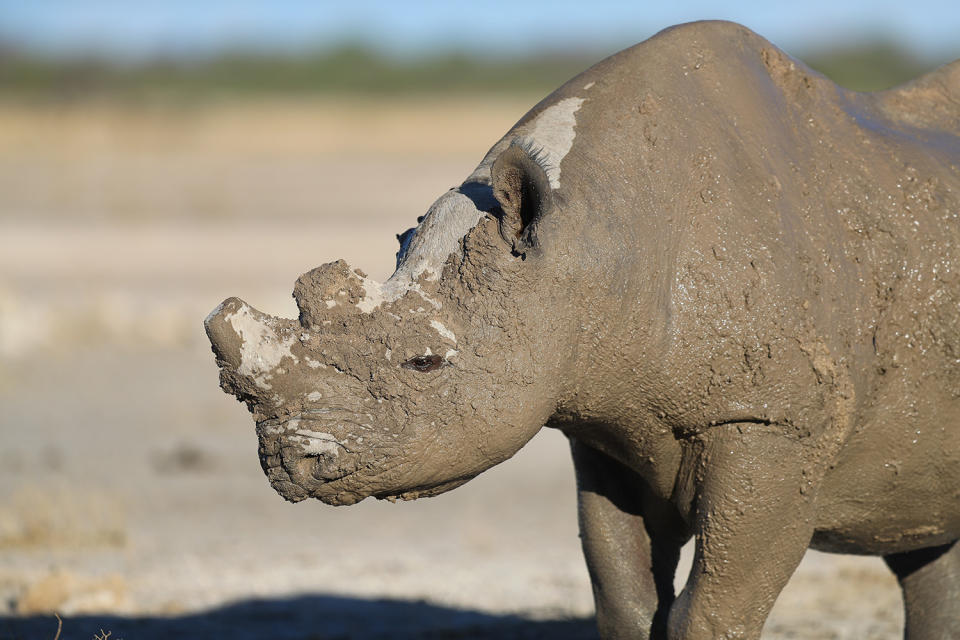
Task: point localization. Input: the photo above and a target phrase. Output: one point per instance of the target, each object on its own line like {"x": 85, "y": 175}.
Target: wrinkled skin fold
{"x": 732, "y": 284}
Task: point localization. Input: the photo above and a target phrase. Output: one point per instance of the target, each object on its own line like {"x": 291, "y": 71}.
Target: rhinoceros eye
{"x": 423, "y": 363}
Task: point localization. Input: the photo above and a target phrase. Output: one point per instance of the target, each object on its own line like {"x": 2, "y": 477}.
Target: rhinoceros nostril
{"x": 323, "y": 467}
{"x": 268, "y": 461}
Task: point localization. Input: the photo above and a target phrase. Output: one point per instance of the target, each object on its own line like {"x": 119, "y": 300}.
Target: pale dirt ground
{"x": 131, "y": 499}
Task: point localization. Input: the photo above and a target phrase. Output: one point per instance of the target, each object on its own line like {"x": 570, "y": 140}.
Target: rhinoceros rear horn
{"x": 317, "y": 290}
{"x": 521, "y": 186}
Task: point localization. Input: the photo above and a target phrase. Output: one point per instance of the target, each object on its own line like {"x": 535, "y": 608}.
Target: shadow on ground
{"x": 305, "y": 618}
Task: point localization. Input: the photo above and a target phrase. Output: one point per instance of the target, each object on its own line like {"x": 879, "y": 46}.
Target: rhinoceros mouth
{"x": 303, "y": 458}
{"x": 295, "y": 481}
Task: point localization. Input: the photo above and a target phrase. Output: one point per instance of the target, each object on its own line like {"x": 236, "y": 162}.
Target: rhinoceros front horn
{"x": 224, "y": 339}
{"x": 225, "y": 327}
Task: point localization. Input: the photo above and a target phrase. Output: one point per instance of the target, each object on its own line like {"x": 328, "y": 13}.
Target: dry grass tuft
{"x": 35, "y": 518}
{"x": 65, "y": 592}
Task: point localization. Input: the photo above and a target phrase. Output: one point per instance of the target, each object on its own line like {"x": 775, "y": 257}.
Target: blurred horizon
{"x": 357, "y": 68}
{"x": 57, "y": 49}
{"x": 178, "y": 29}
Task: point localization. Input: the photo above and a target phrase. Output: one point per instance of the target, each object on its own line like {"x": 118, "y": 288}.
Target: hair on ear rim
{"x": 536, "y": 153}
{"x": 522, "y": 187}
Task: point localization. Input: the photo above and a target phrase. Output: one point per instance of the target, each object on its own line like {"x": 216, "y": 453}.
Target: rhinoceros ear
{"x": 521, "y": 186}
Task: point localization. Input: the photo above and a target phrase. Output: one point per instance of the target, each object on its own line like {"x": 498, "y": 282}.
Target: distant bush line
{"x": 354, "y": 70}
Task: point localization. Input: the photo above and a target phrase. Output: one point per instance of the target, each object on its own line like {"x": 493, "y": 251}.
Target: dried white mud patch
{"x": 551, "y": 134}
{"x": 261, "y": 350}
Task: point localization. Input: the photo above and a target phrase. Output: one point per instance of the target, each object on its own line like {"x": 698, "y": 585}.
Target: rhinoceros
{"x": 735, "y": 287}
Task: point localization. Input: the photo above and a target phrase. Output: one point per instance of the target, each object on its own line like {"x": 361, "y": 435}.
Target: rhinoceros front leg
{"x": 753, "y": 518}
{"x": 631, "y": 542}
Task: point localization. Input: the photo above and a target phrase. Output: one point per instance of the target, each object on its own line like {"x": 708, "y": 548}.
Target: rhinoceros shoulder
{"x": 930, "y": 101}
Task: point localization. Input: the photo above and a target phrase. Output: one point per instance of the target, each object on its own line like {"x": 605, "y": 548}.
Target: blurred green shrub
{"x": 868, "y": 67}
{"x": 355, "y": 69}
{"x": 346, "y": 70}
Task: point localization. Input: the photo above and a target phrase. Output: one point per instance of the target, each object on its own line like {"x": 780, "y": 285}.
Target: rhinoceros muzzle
{"x": 301, "y": 456}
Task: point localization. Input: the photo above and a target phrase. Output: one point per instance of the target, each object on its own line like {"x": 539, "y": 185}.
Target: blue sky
{"x": 135, "y": 29}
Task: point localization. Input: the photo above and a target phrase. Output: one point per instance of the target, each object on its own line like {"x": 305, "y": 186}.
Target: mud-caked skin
{"x": 732, "y": 284}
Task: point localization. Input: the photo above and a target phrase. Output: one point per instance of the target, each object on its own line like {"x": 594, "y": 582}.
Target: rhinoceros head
{"x": 413, "y": 386}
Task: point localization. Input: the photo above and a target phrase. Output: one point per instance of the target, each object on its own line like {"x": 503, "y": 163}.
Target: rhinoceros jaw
{"x": 424, "y": 492}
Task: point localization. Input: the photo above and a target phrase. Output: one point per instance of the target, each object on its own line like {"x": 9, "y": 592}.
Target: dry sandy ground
{"x": 131, "y": 499}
